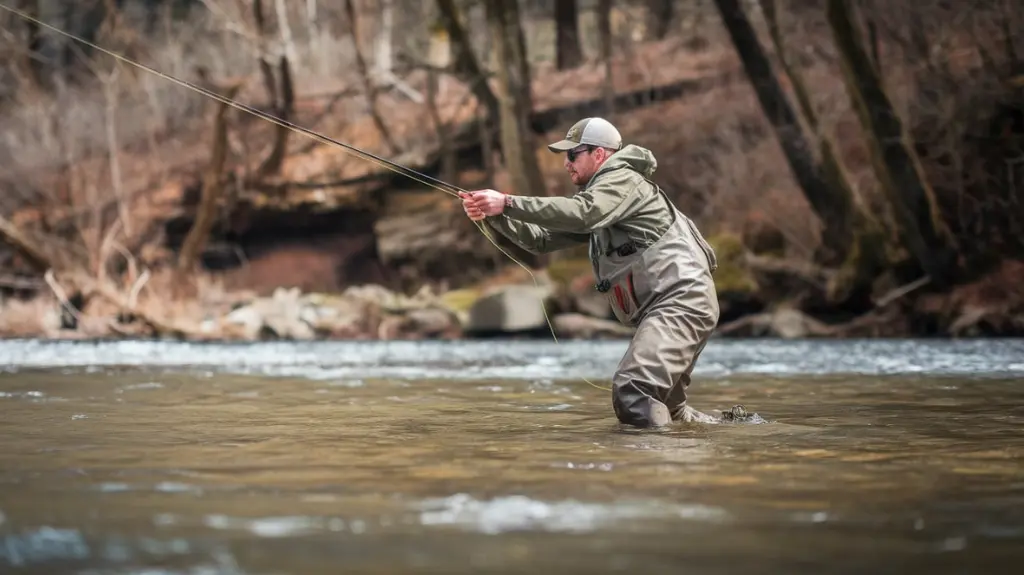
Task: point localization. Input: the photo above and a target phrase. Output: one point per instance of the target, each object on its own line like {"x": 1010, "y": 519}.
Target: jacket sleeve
{"x": 608, "y": 200}
{"x": 534, "y": 238}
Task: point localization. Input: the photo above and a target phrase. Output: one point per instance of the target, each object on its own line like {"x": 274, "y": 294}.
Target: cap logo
{"x": 573, "y": 133}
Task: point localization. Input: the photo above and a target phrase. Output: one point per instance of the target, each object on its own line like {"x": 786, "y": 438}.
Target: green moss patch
{"x": 732, "y": 275}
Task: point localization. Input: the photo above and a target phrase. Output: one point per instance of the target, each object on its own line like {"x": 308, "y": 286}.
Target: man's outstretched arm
{"x": 614, "y": 197}
{"x": 534, "y": 238}
{"x": 530, "y": 237}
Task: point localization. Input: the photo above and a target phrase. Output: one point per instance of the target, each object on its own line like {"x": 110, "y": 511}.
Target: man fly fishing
{"x": 653, "y": 265}
{"x": 650, "y": 260}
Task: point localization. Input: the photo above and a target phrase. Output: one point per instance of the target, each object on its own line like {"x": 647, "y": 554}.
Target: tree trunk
{"x": 604, "y": 32}
{"x": 206, "y": 212}
{"x": 285, "y": 30}
{"x": 278, "y": 86}
{"x": 567, "y": 30}
{"x": 516, "y": 104}
{"x": 861, "y": 255}
{"x": 448, "y": 166}
{"x": 659, "y": 18}
{"x": 284, "y": 109}
{"x": 29, "y": 65}
{"x": 830, "y": 205}
{"x": 368, "y": 85}
{"x": 898, "y": 168}
{"x": 382, "y": 53}
{"x": 466, "y": 64}
{"x": 267, "y": 70}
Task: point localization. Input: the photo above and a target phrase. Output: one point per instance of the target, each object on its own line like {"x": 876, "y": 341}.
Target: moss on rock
{"x": 460, "y": 300}
{"x": 732, "y": 275}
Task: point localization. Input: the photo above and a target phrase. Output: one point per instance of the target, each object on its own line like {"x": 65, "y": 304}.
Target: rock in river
{"x": 510, "y": 309}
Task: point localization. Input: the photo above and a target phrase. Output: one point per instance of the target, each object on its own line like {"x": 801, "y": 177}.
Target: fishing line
{"x": 420, "y": 177}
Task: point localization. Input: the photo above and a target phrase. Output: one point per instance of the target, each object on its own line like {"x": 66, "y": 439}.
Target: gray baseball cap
{"x": 592, "y": 131}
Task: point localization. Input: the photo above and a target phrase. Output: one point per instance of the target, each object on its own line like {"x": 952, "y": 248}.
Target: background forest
{"x": 855, "y": 163}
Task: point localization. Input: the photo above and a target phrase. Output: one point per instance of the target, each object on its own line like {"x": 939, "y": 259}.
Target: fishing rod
{"x": 420, "y": 177}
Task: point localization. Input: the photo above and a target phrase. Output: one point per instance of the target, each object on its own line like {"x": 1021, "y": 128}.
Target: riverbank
{"x": 327, "y": 246}
{"x": 561, "y": 304}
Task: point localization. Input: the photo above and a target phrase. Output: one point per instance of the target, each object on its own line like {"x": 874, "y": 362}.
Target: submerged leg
{"x": 649, "y": 386}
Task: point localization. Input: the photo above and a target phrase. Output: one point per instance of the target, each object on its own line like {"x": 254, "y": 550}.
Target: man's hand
{"x": 469, "y": 205}
{"x": 480, "y": 204}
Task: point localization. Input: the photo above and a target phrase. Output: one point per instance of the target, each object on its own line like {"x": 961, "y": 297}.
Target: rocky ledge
{"x": 560, "y": 301}
{"x": 374, "y": 312}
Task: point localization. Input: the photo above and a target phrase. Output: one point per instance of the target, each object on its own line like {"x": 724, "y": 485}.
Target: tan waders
{"x": 667, "y": 292}
{"x": 652, "y": 264}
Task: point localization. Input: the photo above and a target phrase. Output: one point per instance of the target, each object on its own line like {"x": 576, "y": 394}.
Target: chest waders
{"x": 666, "y": 291}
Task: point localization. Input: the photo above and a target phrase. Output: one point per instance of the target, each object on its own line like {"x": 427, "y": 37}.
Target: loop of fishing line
{"x": 420, "y": 177}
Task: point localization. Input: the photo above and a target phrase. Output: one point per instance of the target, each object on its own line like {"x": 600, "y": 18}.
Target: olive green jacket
{"x": 618, "y": 205}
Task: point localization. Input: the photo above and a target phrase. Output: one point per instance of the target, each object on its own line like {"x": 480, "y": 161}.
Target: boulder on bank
{"x": 510, "y": 309}
{"x": 360, "y": 312}
{"x": 576, "y": 293}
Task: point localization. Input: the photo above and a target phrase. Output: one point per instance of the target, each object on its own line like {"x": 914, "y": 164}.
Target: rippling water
{"x": 493, "y": 456}
{"x": 523, "y": 359}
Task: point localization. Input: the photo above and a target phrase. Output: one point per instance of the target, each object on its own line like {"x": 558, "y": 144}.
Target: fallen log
{"x": 23, "y": 245}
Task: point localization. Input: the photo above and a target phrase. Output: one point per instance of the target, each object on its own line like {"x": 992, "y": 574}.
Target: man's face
{"x": 582, "y": 163}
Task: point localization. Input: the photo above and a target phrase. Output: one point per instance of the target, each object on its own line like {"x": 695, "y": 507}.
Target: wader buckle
{"x": 624, "y": 250}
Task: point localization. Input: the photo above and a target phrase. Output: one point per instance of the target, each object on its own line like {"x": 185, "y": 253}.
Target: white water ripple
{"x": 537, "y": 360}
{"x": 518, "y": 513}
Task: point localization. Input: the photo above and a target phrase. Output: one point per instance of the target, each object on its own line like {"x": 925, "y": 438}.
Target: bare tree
{"x": 110, "y": 93}
{"x": 516, "y": 104}
{"x": 604, "y": 31}
{"x": 855, "y": 236}
{"x": 368, "y": 84}
{"x": 467, "y": 66}
{"x": 443, "y": 128}
{"x": 831, "y": 206}
{"x": 568, "y": 53}
{"x": 28, "y": 64}
{"x": 212, "y": 186}
{"x": 278, "y": 86}
{"x": 659, "y": 18}
{"x": 382, "y": 44}
{"x": 897, "y": 166}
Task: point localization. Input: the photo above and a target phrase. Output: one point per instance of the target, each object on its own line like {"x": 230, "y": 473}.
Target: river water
{"x": 495, "y": 457}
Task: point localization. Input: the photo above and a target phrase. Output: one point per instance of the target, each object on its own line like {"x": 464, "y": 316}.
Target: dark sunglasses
{"x": 575, "y": 152}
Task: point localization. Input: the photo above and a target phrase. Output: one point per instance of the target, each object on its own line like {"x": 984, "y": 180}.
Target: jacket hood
{"x": 633, "y": 157}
